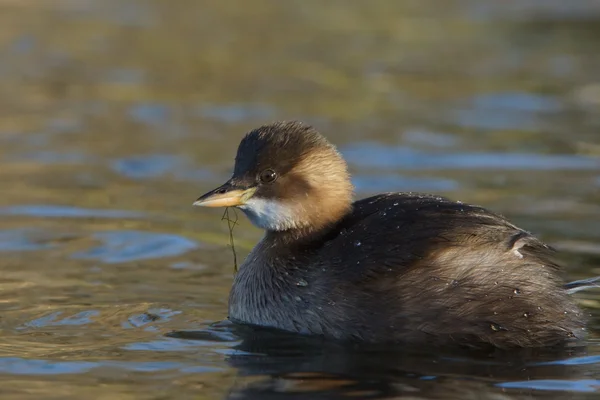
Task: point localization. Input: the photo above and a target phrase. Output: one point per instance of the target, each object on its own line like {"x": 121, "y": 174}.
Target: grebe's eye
{"x": 267, "y": 176}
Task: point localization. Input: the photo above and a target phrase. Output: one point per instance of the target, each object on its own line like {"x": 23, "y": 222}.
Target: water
{"x": 116, "y": 115}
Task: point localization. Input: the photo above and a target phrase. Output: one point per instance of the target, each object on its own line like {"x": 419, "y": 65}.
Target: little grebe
{"x": 396, "y": 267}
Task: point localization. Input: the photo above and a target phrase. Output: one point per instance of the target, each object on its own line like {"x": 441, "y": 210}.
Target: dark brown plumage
{"x": 400, "y": 267}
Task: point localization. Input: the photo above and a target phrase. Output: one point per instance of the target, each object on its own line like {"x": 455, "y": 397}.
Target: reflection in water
{"x": 517, "y": 102}
{"x": 151, "y": 166}
{"x": 496, "y": 111}
{"x": 236, "y": 113}
{"x": 383, "y": 183}
{"x": 288, "y": 365}
{"x": 48, "y": 211}
{"x": 81, "y": 318}
{"x": 123, "y": 246}
{"x": 151, "y": 114}
{"x": 44, "y": 367}
{"x": 23, "y": 240}
{"x": 374, "y": 155}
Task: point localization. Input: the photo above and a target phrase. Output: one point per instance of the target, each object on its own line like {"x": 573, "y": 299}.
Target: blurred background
{"x": 116, "y": 115}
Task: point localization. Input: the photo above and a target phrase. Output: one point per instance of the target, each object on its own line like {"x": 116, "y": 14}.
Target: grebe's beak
{"x": 226, "y": 195}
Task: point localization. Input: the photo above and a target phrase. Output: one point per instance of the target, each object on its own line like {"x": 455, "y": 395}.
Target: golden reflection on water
{"x": 136, "y": 107}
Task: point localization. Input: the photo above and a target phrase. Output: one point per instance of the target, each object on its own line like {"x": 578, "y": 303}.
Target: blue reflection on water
{"x": 21, "y": 240}
{"x": 167, "y": 344}
{"x": 572, "y": 361}
{"x": 52, "y": 211}
{"x": 234, "y": 113}
{"x": 372, "y": 154}
{"x": 51, "y": 157}
{"x": 80, "y": 318}
{"x": 152, "y": 114}
{"x": 157, "y": 165}
{"x": 517, "y": 101}
{"x": 20, "y": 366}
{"x": 583, "y": 385}
{"x": 128, "y": 76}
{"x": 495, "y": 120}
{"x": 124, "y": 246}
{"x": 24, "y": 43}
{"x": 506, "y": 110}
{"x": 386, "y": 183}
{"x": 149, "y": 166}
{"x": 426, "y": 137}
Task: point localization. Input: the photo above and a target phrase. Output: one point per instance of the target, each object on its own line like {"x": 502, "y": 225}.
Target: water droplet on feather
{"x": 302, "y": 283}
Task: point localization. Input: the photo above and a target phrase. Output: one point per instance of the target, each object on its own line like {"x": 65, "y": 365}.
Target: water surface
{"x": 116, "y": 115}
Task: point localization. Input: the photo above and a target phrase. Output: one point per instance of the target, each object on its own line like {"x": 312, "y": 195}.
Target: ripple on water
{"x": 53, "y": 211}
{"x": 518, "y": 101}
{"x": 582, "y": 385}
{"x": 168, "y": 345}
{"x": 234, "y": 113}
{"x": 157, "y": 165}
{"x": 432, "y": 139}
{"x": 125, "y": 246}
{"x": 53, "y": 157}
{"x": 572, "y": 361}
{"x": 382, "y": 183}
{"x": 23, "y": 44}
{"x": 148, "y": 166}
{"x": 125, "y": 76}
{"x": 525, "y": 10}
{"x": 23, "y": 240}
{"x": 151, "y": 114}
{"x": 53, "y": 319}
{"x": 20, "y": 366}
{"x": 507, "y": 110}
{"x": 218, "y": 334}
{"x": 188, "y": 265}
{"x": 150, "y": 316}
{"x": 370, "y": 154}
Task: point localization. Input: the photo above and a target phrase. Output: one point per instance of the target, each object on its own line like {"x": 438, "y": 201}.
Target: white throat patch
{"x": 271, "y": 215}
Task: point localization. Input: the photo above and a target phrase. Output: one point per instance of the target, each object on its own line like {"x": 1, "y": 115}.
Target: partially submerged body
{"x": 399, "y": 267}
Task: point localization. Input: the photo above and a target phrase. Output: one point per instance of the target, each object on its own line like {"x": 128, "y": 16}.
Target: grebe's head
{"x": 287, "y": 176}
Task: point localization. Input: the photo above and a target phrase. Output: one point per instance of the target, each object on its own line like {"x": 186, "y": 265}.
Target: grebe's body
{"x": 399, "y": 267}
